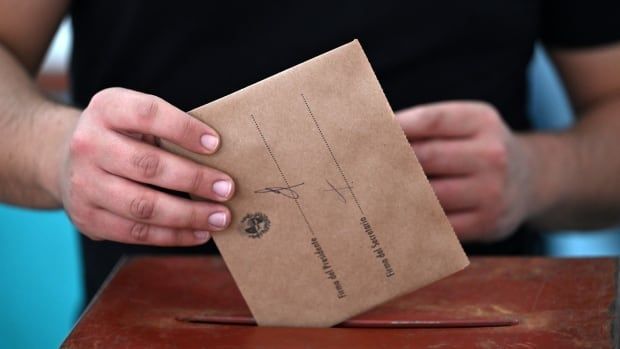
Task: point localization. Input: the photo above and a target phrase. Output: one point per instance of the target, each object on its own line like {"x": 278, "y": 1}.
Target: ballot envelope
{"x": 332, "y": 214}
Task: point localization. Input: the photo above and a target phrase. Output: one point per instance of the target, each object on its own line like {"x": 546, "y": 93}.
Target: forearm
{"x": 33, "y": 130}
{"x": 576, "y": 174}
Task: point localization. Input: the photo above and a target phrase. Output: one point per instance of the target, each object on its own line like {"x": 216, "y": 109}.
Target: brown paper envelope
{"x": 332, "y": 215}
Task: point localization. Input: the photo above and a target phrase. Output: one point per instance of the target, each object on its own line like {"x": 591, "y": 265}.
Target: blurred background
{"x": 41, "y": 294}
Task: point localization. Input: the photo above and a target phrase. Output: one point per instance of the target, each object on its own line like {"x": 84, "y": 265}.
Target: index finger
{"x": 133, "y": 111}
{"x": 445, "y": 119}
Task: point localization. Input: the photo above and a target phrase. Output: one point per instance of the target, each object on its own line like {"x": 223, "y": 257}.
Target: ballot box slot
{"x": 241, "y": 320}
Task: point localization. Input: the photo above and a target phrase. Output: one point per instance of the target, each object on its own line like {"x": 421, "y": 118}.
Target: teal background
{"x": 41, "y": 291}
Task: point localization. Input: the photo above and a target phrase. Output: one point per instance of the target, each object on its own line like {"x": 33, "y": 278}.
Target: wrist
{"x": 552, "y": 167}
{"x": 58, "y": 131}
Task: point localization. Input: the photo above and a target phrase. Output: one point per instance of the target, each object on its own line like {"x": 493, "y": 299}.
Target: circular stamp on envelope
{"x": 254, "y": 225}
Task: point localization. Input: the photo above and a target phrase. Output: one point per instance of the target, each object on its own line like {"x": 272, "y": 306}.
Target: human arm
{"x": 100, "y": 164}
{"x": 30, "y": 125}
{"x": 586, "y": 194}
{"x": 489, "y": 179}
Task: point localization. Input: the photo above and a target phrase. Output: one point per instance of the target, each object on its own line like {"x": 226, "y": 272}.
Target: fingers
{"x": 465, "y": 148}
{"x": 466, "y": 225}
{"x": 457, "y": 193}
{"x": 111, "y": 153}
{"x": 447, "y": 157}
{"x": 141, "y": 162}
{"x": 145, "y": 205}
{"x": 446, "y": 120}
{"x": 108, "y": 226}
{"x": 477, "y": 225}
{"x": 133, "y": 111}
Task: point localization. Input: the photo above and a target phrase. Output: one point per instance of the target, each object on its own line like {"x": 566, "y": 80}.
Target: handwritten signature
{"x": 288, "y": 192}
{"x": 337, "y": 191}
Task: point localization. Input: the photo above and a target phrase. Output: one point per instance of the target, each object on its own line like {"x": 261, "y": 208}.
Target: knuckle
{"x": 139, "y": 231}
{"x": 187, "y": 128}
{"x": 422, "y": 152}
{"x": 439, "y": 188}
{"x": 142, "y": 207}
{"x": 193, "y": 218}
{"x": 77, "y": 220}
{"x": 172, "y": 237}
{"x": 448, "y": 187}
{"x": 80, "y": 143}
{"x": 436, "y": 119}
{"x": 496, "y": 154}
{"x": 148, "y": 165}
{"x": 488, "y": 112}
{"x": 146, "y": 107}
{"x": 197, "y": 180}
{"x": 100, "y": 99}
{"x": 88, "y": 215}
{"x": 178, "y": 237}
{"x": 82, "y": 218}
{"x": 428, "y": 156}
{"x": 77, "y": 186}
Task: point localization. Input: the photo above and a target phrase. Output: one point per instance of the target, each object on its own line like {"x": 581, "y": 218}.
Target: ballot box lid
{"x": 496, "y": 302}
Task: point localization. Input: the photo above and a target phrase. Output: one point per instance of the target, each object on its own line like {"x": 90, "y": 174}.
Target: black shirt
{"x": 192, "y": 52}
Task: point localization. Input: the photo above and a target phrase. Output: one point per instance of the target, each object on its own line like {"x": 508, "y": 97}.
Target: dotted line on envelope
{"x": 275, "y": 161}
{"x": 329, "y": 148}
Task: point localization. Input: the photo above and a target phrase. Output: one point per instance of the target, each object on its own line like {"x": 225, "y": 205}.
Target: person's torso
{"x": 192, "y": 52}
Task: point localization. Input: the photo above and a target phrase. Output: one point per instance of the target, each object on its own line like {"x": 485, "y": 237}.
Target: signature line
{"x": 275, "y": 161}
{"x": 331, "y": 153}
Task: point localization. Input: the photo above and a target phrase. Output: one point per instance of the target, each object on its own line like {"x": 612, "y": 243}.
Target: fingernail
{"x": 222, "y": 188}
{"x": 210, "y": 142}
{"x": 202, "y": 235}
{"x": 218, "y": 219}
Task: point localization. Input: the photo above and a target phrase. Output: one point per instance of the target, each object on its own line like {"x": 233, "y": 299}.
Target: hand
{"x": 477, "y": 167}
{"x": 111, "y": 164}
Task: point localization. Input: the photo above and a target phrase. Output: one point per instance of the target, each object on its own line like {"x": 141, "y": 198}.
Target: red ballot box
{"x": 494, "y": 303}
